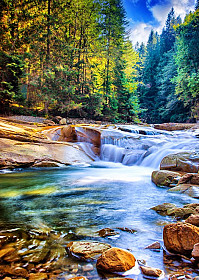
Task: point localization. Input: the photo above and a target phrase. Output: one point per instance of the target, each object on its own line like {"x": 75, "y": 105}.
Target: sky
{"x": 145, "y": 15}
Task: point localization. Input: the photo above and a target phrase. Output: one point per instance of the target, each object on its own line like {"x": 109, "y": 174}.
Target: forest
{"x": 74, "y": 58}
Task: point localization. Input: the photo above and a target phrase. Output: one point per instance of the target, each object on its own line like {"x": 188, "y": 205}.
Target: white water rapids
{"x": 145, "y": 146}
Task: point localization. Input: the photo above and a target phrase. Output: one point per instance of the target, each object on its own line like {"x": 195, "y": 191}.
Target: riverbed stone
{"x": 195, "y": 252}
{"x": 86, "y": 249}
{"x": 165, "y": 177}
{"x": 193, "y": 219}
{"x": 38, "y": 276}
{"x": 150, "y": 271}
{"x": 190, "y": 190}
{"x": 180, "y": 238}
{"x": 184, "y": 162}
{"x": 165, "y": 209}
{"x": 116, "y": 260}
{"x": 154, "y": 246}
{"x": 107, "y": 232}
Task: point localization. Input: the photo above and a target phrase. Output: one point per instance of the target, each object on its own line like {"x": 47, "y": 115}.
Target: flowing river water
{"x": 115, "y": 192}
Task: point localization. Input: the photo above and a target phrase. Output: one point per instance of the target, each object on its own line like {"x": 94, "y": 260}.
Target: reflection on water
{"x": 82, "y": 201}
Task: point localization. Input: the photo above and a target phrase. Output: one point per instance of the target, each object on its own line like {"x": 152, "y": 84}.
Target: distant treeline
{"x": 169, "y": 71}
{"x": 74, "y": 58}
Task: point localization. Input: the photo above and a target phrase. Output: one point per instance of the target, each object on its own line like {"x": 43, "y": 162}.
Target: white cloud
{"x": 140, "y": 32}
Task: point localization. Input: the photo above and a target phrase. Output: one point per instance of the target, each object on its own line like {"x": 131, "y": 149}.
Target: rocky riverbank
{"x": 47, "y": 254}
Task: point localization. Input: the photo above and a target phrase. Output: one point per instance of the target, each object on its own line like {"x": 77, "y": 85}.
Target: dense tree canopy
{"x": 73, "y": 58}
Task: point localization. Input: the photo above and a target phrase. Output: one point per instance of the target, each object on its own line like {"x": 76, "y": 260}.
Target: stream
{"x": 114, "y": 192}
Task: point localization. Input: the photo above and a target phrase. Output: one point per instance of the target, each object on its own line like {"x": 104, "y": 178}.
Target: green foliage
{"x": 11, "y": 71}
{"x": 75, "y": 56}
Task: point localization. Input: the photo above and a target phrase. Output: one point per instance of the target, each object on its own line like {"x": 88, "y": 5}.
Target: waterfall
{"x": 131, "y": 145}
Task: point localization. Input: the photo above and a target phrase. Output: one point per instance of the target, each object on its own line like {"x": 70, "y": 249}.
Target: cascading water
{"x": 131, "y": 145}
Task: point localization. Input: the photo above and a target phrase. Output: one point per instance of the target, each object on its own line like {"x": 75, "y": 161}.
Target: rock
{"x": 184, "y": 162}
{"x": 86, "y": 250}
{"x": 150, "y": 271}
{"x": 164, "y": 177}
{"x": 163, "y": 209}
{"x": 193, "y": 219}
{"x": 68, "y": 134}
{"x": 190, "y": 190}
{"x": 174, "y": 126}
{"x": 63, "y": 121}
{"x": 180, "y": 238}
{"x": 195, "y": 252}
{"x": 154, "y": 246}
{"x": 195, "y": 179}
{"x": 20, "y": 154}
{"x": 6, "y": 251}
{"x": 87, "y": 267}
{"x": 107, "y": 232}
{"x": 130, "y": 230}
{"x": 78, "y": 278}
{"x": 115, "y": 260}
{"x": 185, "y": 179}
{"x": 38, "y": 276}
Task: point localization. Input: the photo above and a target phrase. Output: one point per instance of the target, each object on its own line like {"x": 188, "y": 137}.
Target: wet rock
{"x": 184, "y": 162}
{"x": 19, "y": 271}
{"x": 86, "y": 250}
{"x": 78, "y": 278}
{"x": 150, "y": 271}
{"x": 6, "y": 251}
{"x": 115, "y": 260}
{"x": 46, "y": 163}
{"x": 165, "y": 208}
{"x": 180, "y": 238}
{"x": 87, "y": 267}
{"x": 195, "y": 252}
{"x": 185, "y": 179}
{"x": 179, "y": 276}
{"x": 107, "y": 232}
{"x": 190, "y": 190}
{"x": 38, "y": 276}
{"x": 165, "y": 177}
{"x": 193, "y": 219}
{"x": 130, "y": 230}
{"x": 154, "y": 246}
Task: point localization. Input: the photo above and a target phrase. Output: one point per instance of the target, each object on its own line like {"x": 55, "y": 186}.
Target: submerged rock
{"x": 180, "y": 238}
{"x": 151, "y": 272}
{"x": 86, "y": 249}
{"x": 164, "y": 177}
{"x": 115, "y": 260}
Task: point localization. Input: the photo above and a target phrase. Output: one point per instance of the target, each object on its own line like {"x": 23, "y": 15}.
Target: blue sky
{"x": 144, "y": 15}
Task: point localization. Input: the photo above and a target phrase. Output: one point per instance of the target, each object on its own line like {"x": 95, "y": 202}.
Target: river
{"x": 115, "y": 192}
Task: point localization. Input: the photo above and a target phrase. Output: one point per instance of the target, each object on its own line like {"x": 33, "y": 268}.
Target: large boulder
{"x": 184, "y": 162}
{"x": 180, "y": 238}
{"x": 164, "y": 177}
{"x": 116, "y": 260}
{"x": 25, "y": 154}
{"x": 86, "y": 249}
